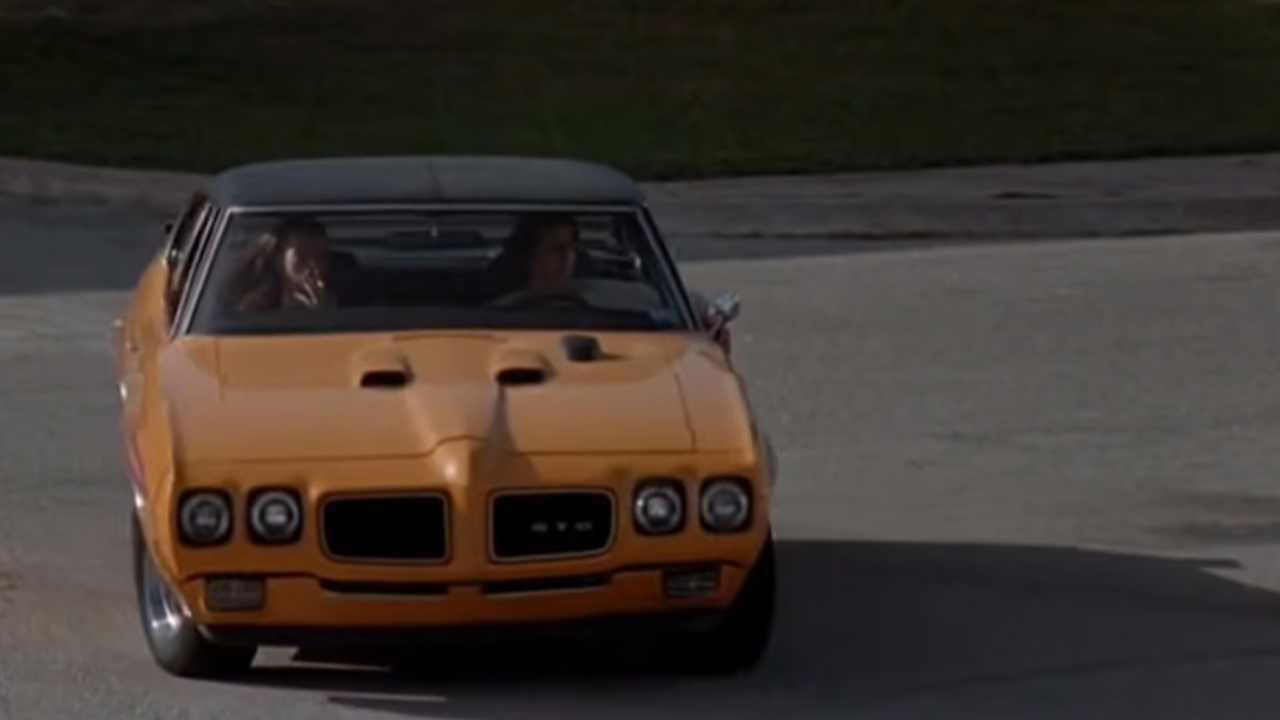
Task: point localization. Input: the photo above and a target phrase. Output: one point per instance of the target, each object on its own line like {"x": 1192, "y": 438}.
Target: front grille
{"x": 389, "y": 528}
{"x": 526, "y": 526}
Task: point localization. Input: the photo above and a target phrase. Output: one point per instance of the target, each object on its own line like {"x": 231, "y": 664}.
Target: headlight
{"x": 726, "y": 505}
{"x": 275, "y": 516}
{"x": 659, "y": 507}
{"x": 204, "y": 517}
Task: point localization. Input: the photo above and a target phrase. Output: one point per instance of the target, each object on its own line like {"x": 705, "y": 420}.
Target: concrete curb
{"x": 941, "y": 219}
{"x": 161, "y": 191}
{"x": 1082, "y": 199}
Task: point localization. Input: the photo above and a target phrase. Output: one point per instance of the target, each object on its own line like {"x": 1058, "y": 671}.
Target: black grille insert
{"x": 391, "y": 528}
{"x": 551, "y": 524}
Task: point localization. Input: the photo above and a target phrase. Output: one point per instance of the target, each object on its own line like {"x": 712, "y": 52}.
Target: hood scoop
{"x": 509, "y": 365}
{"x": 384, "y": 379}
{"x": 516, "y": 366}
{"x": 520, "y": 376}
{"x": 381, "y": 370}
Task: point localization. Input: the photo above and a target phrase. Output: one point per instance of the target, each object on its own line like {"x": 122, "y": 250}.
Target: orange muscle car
{"x": 369, "y": 399}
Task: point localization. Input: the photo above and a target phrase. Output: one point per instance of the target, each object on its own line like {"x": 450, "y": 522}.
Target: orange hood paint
{"x": 299, "y": 397}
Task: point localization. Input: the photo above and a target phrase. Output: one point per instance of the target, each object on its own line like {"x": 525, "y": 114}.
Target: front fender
{"x": 151, "y": 443}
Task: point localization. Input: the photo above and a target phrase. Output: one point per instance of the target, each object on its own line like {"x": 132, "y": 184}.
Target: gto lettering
{"x": 562, "y": 527}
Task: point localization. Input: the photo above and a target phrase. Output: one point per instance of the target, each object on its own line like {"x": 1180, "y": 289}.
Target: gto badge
{"x": 561, "y": 527}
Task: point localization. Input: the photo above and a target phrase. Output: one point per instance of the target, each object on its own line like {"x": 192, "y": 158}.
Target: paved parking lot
{"x": 1020, "y": 481}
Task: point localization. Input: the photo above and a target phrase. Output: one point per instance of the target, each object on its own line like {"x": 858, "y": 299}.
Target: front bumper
{"x": 302, "y": 610}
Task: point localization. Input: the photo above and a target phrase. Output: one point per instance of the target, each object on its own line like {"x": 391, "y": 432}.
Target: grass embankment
{"x": 661, "y": 88}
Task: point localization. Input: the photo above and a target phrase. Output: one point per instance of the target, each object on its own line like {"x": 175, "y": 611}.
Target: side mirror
{"x": 726, "y": 306}
{"x": 718, "y": 311}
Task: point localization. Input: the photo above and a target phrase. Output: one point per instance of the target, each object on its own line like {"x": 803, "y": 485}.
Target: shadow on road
{"x": 905, "y": 630}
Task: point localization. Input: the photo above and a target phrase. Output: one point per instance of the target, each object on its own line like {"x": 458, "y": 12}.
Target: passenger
{"x": 286, "y": 268}
{"x": 304, "y": 262}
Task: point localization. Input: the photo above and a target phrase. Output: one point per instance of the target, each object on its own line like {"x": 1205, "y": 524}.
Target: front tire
{"x": 741, "y": 639}
{"x": 173, "y": 639}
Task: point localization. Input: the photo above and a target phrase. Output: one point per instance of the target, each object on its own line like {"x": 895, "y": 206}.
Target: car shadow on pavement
{"x": 903, "y": 630}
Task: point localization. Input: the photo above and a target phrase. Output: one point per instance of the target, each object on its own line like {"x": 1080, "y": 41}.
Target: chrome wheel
{"x": 163, "y": 613}
{"x": 175, "y": 642}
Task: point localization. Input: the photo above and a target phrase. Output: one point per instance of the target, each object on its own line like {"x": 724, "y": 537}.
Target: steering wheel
{"x": 559, "y": 298}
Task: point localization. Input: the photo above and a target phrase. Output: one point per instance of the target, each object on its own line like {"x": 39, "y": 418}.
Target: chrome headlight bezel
{"x": 667, "y": 489}
{"x": 261, "y": 502}
{"x": 737, "y": 488}
{"x": 191, "y": 502}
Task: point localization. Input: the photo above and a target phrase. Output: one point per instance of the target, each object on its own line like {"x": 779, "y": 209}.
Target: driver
{"x": 549, "y": 254}
{"x": 545, "y": 250}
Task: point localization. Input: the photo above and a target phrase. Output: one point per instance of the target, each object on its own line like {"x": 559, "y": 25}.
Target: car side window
{"x": 180, "y": 231}
{"x": 179, "y": 255}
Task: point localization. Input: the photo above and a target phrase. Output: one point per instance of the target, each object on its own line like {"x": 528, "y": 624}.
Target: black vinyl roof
{"x": 423, "y": 179}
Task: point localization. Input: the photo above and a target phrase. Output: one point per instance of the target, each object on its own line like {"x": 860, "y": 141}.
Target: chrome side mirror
{"x": 716, "y": 312}
{"x": 726, "y": 306}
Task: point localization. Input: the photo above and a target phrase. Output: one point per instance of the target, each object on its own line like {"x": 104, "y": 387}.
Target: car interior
{"x": 435, "y": 266}
{"x": 468, "y": 273}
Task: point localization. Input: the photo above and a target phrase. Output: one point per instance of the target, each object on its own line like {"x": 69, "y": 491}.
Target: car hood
{"x": 338, "y": 396}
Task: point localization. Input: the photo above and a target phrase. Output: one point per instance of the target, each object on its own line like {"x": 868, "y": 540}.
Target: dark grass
{"x": 660, "y": 88}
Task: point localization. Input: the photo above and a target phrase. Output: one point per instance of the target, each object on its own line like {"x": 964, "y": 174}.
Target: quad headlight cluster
{"x": 660, "y": 506}
{"x": 207, "y": 517}
{"x": 274, "y": 516}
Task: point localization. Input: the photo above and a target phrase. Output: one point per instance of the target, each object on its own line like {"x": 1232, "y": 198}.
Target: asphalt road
{"x": 1020, "y": 481}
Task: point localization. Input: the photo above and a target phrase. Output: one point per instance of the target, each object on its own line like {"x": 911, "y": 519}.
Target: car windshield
{"x": 352, "y": 271}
